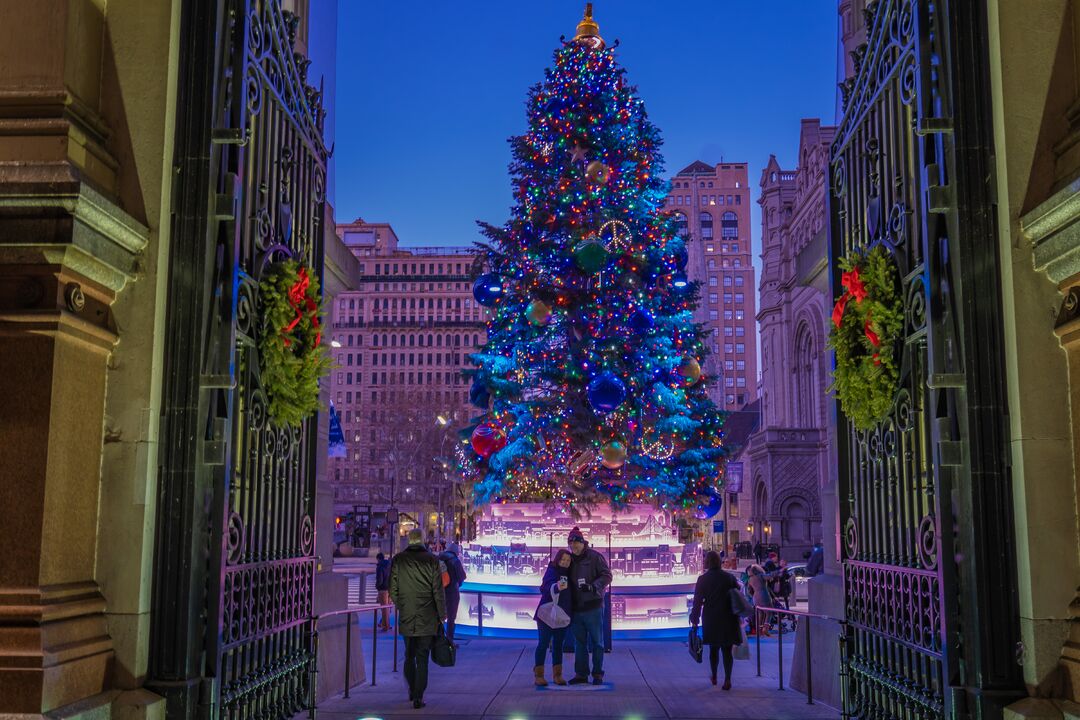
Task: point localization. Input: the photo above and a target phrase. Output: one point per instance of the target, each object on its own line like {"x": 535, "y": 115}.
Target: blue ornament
{"x": 487, "y": 289}
{"x": 681, "y": 258}
{"x": 479, "y": 395}
{"x": 606, "y": 392}
{"x": 642, "y": 320}
{"x": 707, "y": 510}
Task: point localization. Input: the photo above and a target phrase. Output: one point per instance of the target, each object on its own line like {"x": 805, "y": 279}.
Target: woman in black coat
{"x": 720, "y": 629}
{"x": 555, "y": 581}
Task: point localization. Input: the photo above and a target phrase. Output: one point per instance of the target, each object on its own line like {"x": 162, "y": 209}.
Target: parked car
{"x": 800, "y": 590}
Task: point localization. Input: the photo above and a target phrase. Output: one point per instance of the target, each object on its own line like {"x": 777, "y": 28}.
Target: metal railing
{"x": 761, "y": 615}
{"x": 348, "y": 613}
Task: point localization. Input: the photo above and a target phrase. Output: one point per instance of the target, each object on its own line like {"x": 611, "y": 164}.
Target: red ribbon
{"x": 300, "y": 302}
{"x": 856, "y": 290}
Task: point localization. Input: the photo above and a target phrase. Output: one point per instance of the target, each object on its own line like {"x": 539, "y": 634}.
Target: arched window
{"x": 681, "y": 225}
{"x": 806, "y": 389}
{"x": 796, "y": 524}
{"x": 438, "y": 341}
{"x": 393, "y": 341}
{"x": 706, "y": 220}
{"x": 729, "y": 225}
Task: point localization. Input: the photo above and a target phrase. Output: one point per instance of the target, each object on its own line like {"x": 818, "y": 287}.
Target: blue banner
{"x": 336, "y": 446}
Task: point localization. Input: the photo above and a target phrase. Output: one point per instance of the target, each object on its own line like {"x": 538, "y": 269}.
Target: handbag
{"x": 694, "y": 644}
{"x": 443, "y": 652}
{"x": 739, "y": 604}
{"x": 742, "y": 650}
{"x": 551, "y": 614}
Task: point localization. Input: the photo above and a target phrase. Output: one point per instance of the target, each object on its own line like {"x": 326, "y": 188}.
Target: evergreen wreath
{"x": 867, "y": 322}
{"x": 292, "y": 356}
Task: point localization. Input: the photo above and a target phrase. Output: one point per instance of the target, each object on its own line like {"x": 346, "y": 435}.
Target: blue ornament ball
{"x": 606, "y": 392}
{"x": 487, "y": 289}
{"x": 642, "y": 320}
{"x": 709, "y": 508}
{"x": 681, "y": 258}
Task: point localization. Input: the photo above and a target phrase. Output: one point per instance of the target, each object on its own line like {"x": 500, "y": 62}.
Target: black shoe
{"x": 597, "y": 679}
{"x": 579, "y": 680}
{"x": 418, "y": 703}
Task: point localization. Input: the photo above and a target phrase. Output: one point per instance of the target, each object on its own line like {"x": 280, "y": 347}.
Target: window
{"x": 728, "y": 348}
{"x": 713, "y": 315}
{"x": 740, "y": 348}
{"x": 727, "y": 298}
{"x": 728, "y": 331}
{"x": 740, "y": 365}
{"x": 738, "y": 281}
{"x": 739, "y": 314}
{"x": 727, "y": 314}
{"x": 729, "y": 201}
{"x": 712, "y": 264}
{"x": 678, "y": 199}
{"x": 738, "y": 199}
{"x": 729, "y": 225}
{"x": 710, "y": 183}
{"x": 739, "y": 297}
{"x": 730, "y": 400}
{"x": 742, "y": 399}
{"x": 710, "y": 248}
{"x": 734, "y": 247}
{"x": 712, "y": 299}
{"x": 721, "y": 199}
{"x": 740, "y": 382}
{"x": 681, "y": 226}
{"x": 729, "y": 381}
{"x": 706, "y": 220}
{"x": 712, "y": 281}
{"x": 736, "y": 262}
{"x": 740, "y": 331}
{"x": 727, "y": 281}
{"x": 729, "y": 365}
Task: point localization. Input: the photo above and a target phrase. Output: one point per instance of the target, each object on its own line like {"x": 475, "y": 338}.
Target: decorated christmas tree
{"x": 591, "y": 377}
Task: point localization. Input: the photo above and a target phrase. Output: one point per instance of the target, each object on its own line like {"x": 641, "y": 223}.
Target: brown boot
{"x": 556, "y": 674}
{"x": 538, "y": 676}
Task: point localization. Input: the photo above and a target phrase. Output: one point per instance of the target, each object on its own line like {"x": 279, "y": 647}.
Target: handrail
{"x": 760, "y": 614}
{"x": 349, "y": 612}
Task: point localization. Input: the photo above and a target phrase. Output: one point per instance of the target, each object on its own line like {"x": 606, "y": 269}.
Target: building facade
{"x": 401, "y": 340}
{"x": 712, "y": 204}
{"x": 787, "y": 458}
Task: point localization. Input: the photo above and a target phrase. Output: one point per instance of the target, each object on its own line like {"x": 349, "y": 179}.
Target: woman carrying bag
{"x": 720, "y": 629}
{"x": 553, "y": 617}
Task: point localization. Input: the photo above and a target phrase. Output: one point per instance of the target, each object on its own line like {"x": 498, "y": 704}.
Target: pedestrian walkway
{"x": 644, "y": 680}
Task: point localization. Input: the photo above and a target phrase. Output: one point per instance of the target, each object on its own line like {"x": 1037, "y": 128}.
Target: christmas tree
{"x": 591, "y": 374}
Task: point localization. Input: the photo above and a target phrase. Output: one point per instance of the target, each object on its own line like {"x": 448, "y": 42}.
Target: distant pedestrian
{"x": 816, "y": 564}
{"x": 720, "y": 625}
{"x": 416, "y": 589}
{"x": 451, "y": 557}
{"x": 758, "y": 586}
{"x": 382, "y": 586}
{"x": 589, "y": 579}
{"x": 556, "y": 583}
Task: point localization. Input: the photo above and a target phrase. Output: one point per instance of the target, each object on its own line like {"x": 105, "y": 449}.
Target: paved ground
{"x": 645, "y": 680}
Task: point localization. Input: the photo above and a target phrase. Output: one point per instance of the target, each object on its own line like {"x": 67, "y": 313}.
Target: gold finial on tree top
{"x": 588, "y": 32}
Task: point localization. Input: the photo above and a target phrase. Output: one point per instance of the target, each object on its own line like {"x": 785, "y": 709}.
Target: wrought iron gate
{"x": 925, "y": 495}
{"x": 235, "y": 569}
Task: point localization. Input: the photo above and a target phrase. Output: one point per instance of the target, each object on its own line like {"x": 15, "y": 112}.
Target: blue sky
{"x": 428, "y": 91}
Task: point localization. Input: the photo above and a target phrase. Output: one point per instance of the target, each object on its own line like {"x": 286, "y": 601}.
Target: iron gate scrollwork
{"x": 907, "y": 487}
{"x": 233, "y": 616}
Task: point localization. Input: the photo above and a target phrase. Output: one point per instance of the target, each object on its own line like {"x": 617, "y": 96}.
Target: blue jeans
{"x": 549, "y": 636}
{"x": 587, "y": 627}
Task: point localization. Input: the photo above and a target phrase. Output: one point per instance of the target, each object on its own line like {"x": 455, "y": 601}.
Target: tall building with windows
{"x": 712, "y": 205}
{"x": 400, "y": 342}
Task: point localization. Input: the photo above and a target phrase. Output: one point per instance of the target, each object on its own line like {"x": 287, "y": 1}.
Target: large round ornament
{"x": 709, "y": 506}
{"x": 538, "y": 312}
{"x": 606, "y": 392}
{"x": 590, "y": 255}
{"x": 487, "y": 439}
{"x": 487, "y": 289}
{"x": 689, "y": 371}
{"x": 597, "y": 173}
{"x": 613, "y": 455}
{"x": 642, "y": 320}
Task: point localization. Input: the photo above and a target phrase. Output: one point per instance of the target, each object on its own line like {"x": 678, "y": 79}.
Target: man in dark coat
{"x": 712, "y": 604}
{"x": 417, "y": 591}
{"x": 589, "y": 579}
{"x": 382, "y": 586}
{"x": 451, "y": 557}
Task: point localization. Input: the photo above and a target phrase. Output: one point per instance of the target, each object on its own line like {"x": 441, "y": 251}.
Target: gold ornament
{"x": 690, "y": 371}
{"x": 538, "y": 312}
{"x": 597, "y": 173}
{"x": 588, "y": 32}
{"x": 613, "y": 455}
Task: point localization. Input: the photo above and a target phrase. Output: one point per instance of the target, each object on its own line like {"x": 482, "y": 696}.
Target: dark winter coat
{"x": 382, "y": 575}
{"x": 712, "y": 606}
{"x": 589, "y": 576}
{"x": 417, "y": 592}
{"x": 564, "y": 597}
{"x": 455, "y": 569}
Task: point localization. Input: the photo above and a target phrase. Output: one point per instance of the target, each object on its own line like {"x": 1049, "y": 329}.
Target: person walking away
{"x": 417, "y": 592}
{"x": 451, "y": 557}
{"x": 589, "y": 579}
{"x": 816, "y": 564}
{"x": 712, "y": 606}
{"x": 556, "y": 581}
{"x": 382, "y": 586}
{"x": 759, "y": 591}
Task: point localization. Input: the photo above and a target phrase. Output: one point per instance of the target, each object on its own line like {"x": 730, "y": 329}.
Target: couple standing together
{"x": 574, "y": 582}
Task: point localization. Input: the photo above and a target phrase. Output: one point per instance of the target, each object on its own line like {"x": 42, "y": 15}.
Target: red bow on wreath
{"x": 855, "y": 289}
{"x": 299, "y": 301}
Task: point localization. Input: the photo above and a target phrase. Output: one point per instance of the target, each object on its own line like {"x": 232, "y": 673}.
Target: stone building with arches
{"x": 787, "y": 460}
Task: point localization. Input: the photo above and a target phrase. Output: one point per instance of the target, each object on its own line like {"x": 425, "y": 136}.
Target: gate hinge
{"x": 940, "y": 381}
{"x": 933, "y": 125}
{"x": 950, "y": 453}
{"x": 225, "y": 203}
{"x": 223, "y": 382}
{"x": 230, "y": 136}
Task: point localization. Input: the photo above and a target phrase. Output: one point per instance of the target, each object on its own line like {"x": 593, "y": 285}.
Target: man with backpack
{"x": 451, "y": 557}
